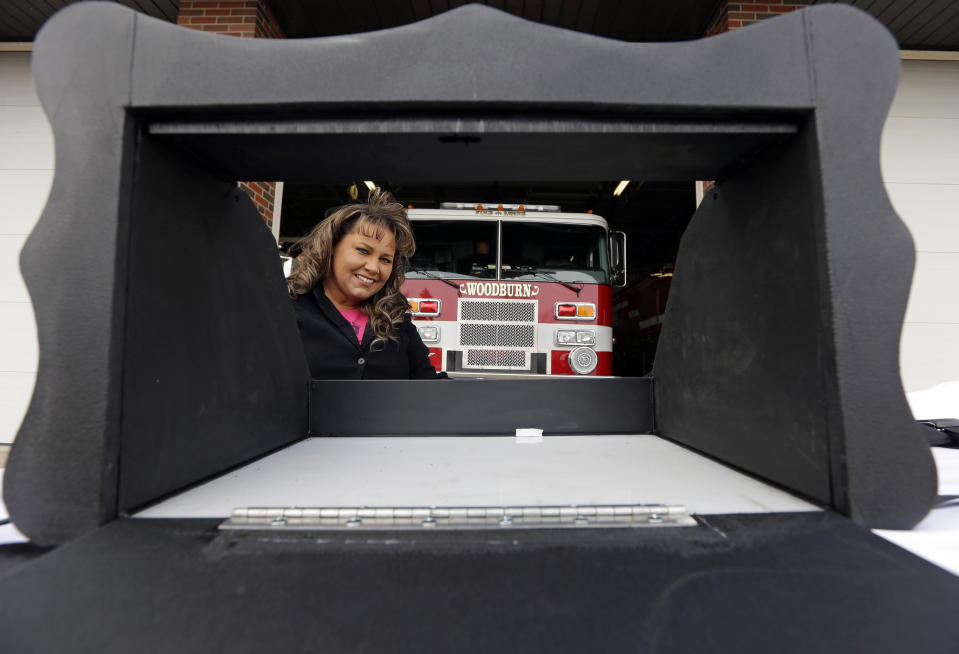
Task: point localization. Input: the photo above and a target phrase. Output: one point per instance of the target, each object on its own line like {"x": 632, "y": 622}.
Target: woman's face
{"x": 362, "y": 264}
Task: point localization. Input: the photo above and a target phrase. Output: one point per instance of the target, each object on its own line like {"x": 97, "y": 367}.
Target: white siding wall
{"x": 920, "y": 166}
{"x": 26, "y": 172}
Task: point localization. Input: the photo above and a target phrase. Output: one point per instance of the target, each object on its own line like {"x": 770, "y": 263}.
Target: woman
{"x": 346, "y": 279}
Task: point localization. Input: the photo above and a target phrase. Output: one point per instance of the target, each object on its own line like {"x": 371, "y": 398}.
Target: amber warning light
{"x": 575, "y": 311}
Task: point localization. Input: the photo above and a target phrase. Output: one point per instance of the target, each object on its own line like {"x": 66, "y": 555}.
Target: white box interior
{"x": 481, "y": 471}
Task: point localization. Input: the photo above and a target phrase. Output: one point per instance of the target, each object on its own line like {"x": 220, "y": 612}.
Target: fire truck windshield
{"x": 456, "y": 249}
{"x": 571, "y": 253}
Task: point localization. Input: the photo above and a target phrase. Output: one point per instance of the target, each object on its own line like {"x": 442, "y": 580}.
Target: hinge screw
{"x": 428, "y": 523}
{"x": 354, "y": 522}
{"x": 654, "y": 517}
{"x": 505, "y": 521}
{"x": 278, "y": 521}
{"x": 581, "y": 520}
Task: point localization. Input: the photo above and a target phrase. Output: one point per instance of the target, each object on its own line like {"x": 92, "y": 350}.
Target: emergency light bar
{"x": 497, "y": 206}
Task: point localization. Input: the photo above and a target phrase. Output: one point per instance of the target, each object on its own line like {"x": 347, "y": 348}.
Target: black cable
{"x": 945, "y": 501}
{"x": 943, "y": 432}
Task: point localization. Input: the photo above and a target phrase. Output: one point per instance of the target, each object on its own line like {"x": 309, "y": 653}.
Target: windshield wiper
{"x": 432, "y": 276}
{"x": 551, "y": 277}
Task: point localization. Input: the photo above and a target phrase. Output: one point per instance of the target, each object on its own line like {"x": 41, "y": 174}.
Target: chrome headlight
{"x": 575, "y": 337}
{"x": 583, "y": 360}
{"x": 429, "y": 333}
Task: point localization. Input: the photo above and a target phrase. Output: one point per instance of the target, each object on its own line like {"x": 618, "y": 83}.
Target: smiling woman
{"x": 354, "y": 321}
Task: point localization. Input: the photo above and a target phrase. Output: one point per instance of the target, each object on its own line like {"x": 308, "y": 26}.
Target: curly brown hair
{"x": 387, "y": 308}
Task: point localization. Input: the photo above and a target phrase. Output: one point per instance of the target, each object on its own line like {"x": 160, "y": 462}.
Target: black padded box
{"x": 169, "y": 354}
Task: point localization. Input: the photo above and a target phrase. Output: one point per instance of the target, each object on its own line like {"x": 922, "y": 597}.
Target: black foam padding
{"x": 746, "y": 339}
{"x": 213, "y": 372}
{"x": 300, "y": 150}
{"x": 492, "y": 97}
{"x": 806, "y": 582}
{"x": 478, "y": 56}
{"x": 808, "y": 90}
{"x": 884, "y": 475}
{"x": 168, "y": 350}
{"x": 14, "y": 555}
{"x": 481, "y": 406}
{"x": 780, "y": 346}
{"x": 61, "y": 476}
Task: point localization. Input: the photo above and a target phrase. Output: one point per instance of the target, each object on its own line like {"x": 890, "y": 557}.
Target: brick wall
{"x": 731, "y": 15}
{"x": 262, "y": 194}
{"x": 250, "y": 19}
{"x": 244, "y": 18}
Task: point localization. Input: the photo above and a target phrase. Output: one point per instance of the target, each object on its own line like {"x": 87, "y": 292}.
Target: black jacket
{"x": 333, "y": 352}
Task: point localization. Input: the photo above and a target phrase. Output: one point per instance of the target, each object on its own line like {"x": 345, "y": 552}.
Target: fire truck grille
{"x": 489, "y": 334}
{"x": 518, "y": 311}
{"x": 496, "y": 358}
{"x": 492, "y": 311}
{"x": 478, "y": 311}
{"x": 504, "y": 331}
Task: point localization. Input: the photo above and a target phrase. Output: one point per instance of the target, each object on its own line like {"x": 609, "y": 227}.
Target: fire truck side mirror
{"x": 617, "y": 257}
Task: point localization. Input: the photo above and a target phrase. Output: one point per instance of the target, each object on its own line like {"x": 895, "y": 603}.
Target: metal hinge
{"x": 462, "y": 517}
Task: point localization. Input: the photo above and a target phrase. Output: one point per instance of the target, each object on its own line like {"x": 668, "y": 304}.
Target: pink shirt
{"x": 357, "y": 320}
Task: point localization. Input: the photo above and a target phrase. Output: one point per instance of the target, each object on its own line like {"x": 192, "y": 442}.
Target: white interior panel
{"x": 934, "y": 296}
{"x": 481, "y": 471}
{"x": 928, "y": 354}
{"x": 931, "y": 212}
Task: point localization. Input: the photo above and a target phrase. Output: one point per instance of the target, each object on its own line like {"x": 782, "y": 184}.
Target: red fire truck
{"x": 638, "y": 315}
{"x": 513, "y": 289}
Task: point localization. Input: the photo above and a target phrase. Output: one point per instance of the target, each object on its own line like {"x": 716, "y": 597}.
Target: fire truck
{"x": 514, "y": 289}
{"x": 637, "y": 320}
